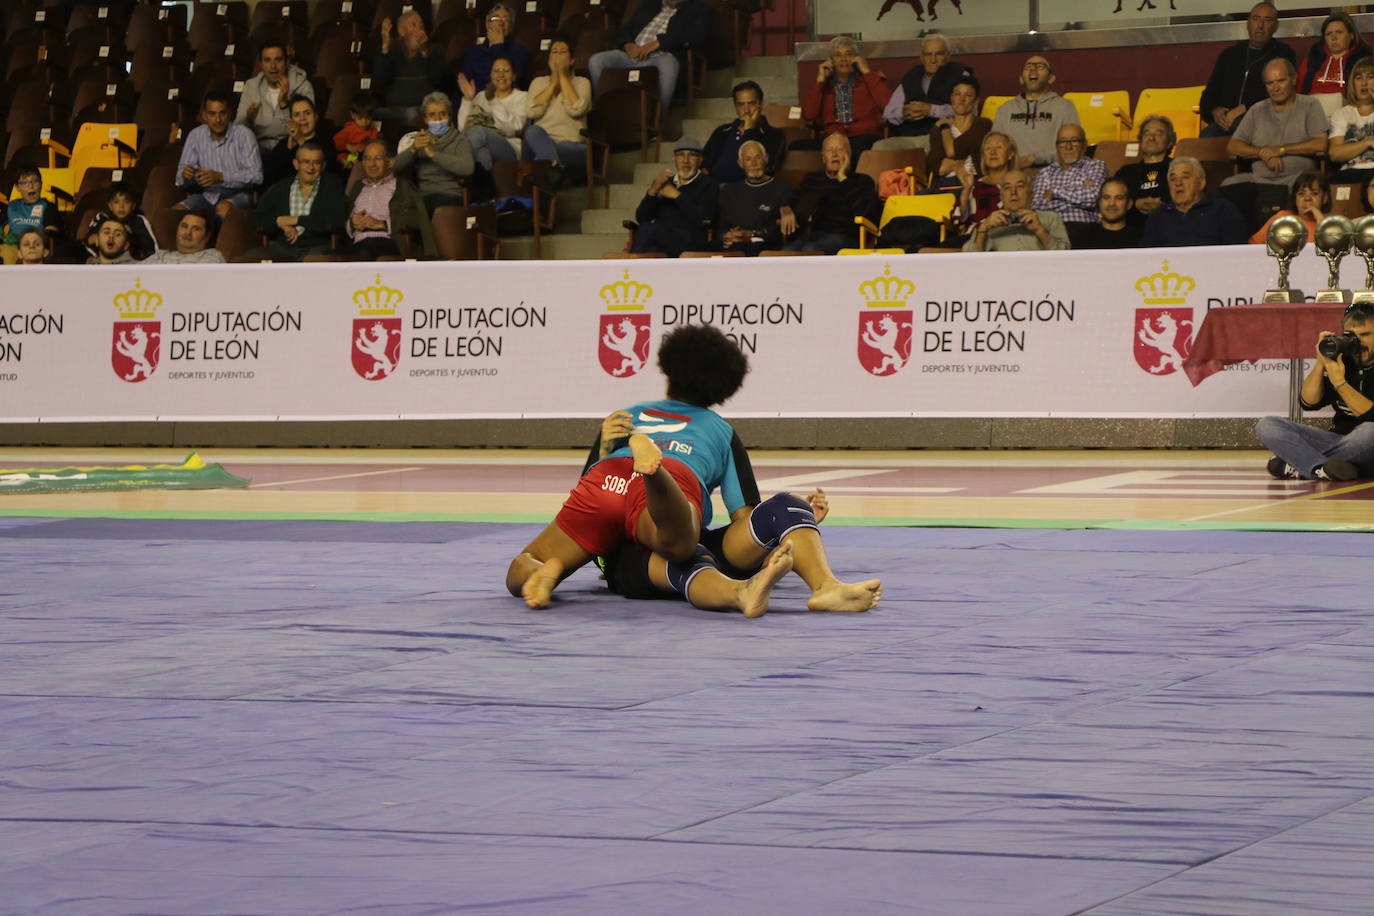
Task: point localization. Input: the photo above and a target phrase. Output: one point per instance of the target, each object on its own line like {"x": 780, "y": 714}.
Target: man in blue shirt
{"x": 1191, "y": 217}
{"x": 220, "y": 163}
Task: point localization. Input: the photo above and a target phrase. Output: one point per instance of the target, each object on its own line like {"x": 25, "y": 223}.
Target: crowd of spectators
{"x": 429, "y": 131}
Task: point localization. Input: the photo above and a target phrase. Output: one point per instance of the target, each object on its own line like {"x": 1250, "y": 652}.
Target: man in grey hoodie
{"x": 1034, "y": 117}
{"x": 265, "y": 105}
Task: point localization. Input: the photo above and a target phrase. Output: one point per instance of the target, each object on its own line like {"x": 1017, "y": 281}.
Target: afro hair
{"x": 702, "y": 365}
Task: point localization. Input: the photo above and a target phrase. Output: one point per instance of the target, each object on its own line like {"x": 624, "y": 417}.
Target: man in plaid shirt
{"x": 1069, "y": 186}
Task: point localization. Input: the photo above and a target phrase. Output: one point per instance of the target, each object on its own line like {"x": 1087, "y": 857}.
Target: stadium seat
{"x": 1181, "y": 106}
{"x": 874, "y": 162}
{"x": 1347, "y": 200}
{"x": 1097, "y": 112}
{"x": 466, "y": 233}
{"x": 938, "y": 207}
{"x": 1116, "y": 153}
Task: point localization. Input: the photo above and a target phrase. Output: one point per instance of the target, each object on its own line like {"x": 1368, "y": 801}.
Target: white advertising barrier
{"x": 1068, "y": 334}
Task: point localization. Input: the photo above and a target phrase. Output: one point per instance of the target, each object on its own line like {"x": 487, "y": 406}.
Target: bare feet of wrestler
{"x": 538, "y": 588}
{"x": 754, "y": 592}
{"x": 846, "y": 596}
{"x": 647, "y": 455}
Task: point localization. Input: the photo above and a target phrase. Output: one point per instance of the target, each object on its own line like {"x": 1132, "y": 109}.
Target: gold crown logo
{"x": 887, "y": 291}
{"x": 378, "y": 299}
{"x": 137, "y": 302}
{"x": 1165, "y": 288}
{"x": 626, "y": 295}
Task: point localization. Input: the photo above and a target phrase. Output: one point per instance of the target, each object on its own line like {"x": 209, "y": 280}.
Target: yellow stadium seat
{"x": 110, "y": 146}
{"x": 939, "y": 207}
{"x": 994, "y": 102}
{"x": 871, "y": 251}
{"x": 1181, "y": 106}
{"x": 1097, "y": 112}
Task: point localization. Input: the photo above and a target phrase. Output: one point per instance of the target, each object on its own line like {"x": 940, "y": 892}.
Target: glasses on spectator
{"x": 29, "y": 182}
{"x": 1036, "y": 65}
{"x": 1074, "y": 142}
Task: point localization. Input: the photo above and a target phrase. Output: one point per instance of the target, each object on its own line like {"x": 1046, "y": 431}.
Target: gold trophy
{"x": 1364, "y": 244}
{"x": 1334, "y": 235}
{"x": 1287, "y": 236}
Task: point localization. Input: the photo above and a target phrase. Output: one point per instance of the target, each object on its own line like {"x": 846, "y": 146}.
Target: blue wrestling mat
{"x": 319, "y": 717}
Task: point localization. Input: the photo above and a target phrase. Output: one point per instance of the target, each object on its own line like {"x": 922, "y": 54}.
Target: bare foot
{"x": 753, "y": 594}
{"x": 538, "y": 588}
{"x": 646, "y": 454}
{"x": 846, "y": 596}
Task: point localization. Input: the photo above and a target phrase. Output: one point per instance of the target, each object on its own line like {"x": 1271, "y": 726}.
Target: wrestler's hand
{"x": 617, "y": 425}
{"x": 820, "y": 505}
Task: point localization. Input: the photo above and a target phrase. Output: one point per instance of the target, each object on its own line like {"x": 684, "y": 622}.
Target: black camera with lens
{"x": 1014, "y": 218}
{"x": 1344, "y": 346}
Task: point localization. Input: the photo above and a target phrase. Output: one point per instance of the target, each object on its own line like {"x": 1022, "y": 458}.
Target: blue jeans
{"x": 666, "y": 64}
{"x": 488, "y": 145}
{"x": 539, "y": 145}
{"x": 1306, "y": 448}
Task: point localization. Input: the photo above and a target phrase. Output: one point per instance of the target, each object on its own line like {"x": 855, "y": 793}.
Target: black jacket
{"x": 1238, "y": 76}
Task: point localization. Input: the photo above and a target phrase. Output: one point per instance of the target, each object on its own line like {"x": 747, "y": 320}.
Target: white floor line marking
{"x": 813, "y": 479}
{"x": 282, "y": 483}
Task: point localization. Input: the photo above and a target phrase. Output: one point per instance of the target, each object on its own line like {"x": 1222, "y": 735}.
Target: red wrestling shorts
{"x": 603, "y": 509}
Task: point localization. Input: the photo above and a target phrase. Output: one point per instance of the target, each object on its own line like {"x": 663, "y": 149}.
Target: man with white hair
{"x": 653, "y": 37}
{"x": 1191, "y": 217}
{"x": 922, "y": 98}
{"x": 407, "y": 68}
{"x": 820, "y": 215}
{"x": 747, "y": 218}
{"x": 1017, "y": 226}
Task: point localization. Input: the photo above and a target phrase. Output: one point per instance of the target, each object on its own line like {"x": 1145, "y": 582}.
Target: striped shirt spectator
{"x": 220, "y": 161}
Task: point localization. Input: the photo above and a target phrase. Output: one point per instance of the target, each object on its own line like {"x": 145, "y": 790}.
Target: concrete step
{"x": 646, "y": 172}
{"x": 606, "y": 221}
{"x": 777, "y": 65}
{"x": 718, "y": 82}
{"x": 717, "y": 110}
{"x": 778, "y": 90}
{"x": 627, "y": 196}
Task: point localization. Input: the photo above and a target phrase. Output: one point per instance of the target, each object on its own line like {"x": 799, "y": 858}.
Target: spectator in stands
{"x": 264, "y": 105}
{"x": 747, "y": 218}
{"x": 33, "y": 246}
{"x": 1236, "y": 82}
{"x": 112, "y": 244}
{"x": 195, "y": 233}
{"x": 1326, "y": 67}
{"x": 1069, "y": 186}
{"x": 1017, "y": 227}
{"x": 279, "y": 162}
{"x": 826, "y": 202}
{"x": 847, "y": 98}
{"x": 220, "y": 162}
{"x": 722, "y": 147}
{"x": 493, "y": 119}
{"x": 299, "y": 215}
{"x": 1148, "y": 178}
{"x": 383, "y": 207}
{"x": 1284, "y": 134}
{"x": 1351, "y": 143}
{"x": 679, "y": 207}
{"x": 441, "y": 158}
{"x": 558, "y": 106}
{"x": 1191, "y": 217}
{"x": 924, "y": 95}
{"x": 408, "y": 68}
{"x": 981, "y": 194}
{"x": 653, "y": 37}
{"x": 955, "y": 140}
{"x": 121, "y": 203}
{"x": 478, "y": 59}
{"x": 1118, "y": 224}
{"x": 1308, "y": 201}
{"x": 361, "y": 127}
{"x": 1033, "y": 117}
{"x": 28, "y": 211}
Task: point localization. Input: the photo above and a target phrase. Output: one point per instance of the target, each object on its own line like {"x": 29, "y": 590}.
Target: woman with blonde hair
{"x": 1351, "y": 138}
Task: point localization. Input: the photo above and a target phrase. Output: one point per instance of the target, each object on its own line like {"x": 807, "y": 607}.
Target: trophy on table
{"x": 1334, "y": 235}
{"x": 1287, "y": 236}
{"x": 1364, "y": 244}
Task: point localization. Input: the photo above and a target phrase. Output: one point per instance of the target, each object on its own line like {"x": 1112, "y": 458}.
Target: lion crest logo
{"x": 1163, "y": 337}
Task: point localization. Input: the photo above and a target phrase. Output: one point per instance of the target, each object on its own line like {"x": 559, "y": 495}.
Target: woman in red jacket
{"x": 847, "y": 98}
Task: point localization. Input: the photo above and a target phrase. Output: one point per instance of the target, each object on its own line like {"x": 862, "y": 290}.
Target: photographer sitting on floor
{"x": 1342, "y": 378}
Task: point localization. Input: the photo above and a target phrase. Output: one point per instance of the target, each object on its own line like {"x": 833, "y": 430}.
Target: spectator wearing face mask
{"x": 439, "y": 158}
